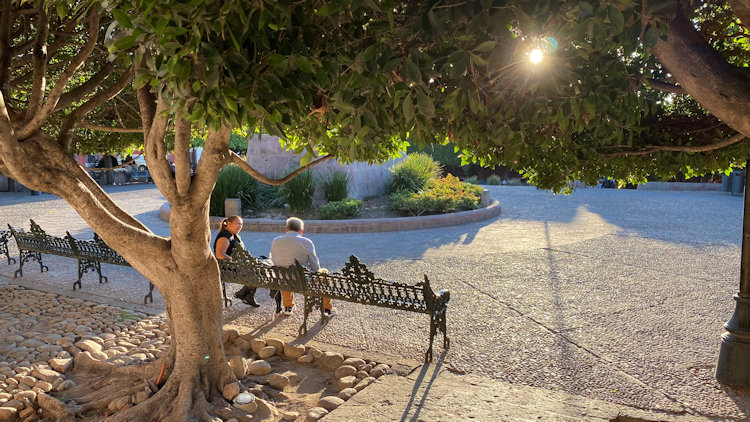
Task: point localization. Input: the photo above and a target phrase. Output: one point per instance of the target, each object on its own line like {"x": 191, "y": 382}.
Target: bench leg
{"x": 433, "y": 331}
{"x": 42, "y": 267}
{"x": 309, "y": 303}
{"x": 99, "y": 271}
{"x": 446, "y": 340}
{"x": 4, "y": 250}
{"x": 227, "y": 301}
{"x": 81, "y": 270}
{"x": 26, "y": 256}
{"x": 86, "y": 265}
{"x": 150, "y": 296}
{"x": 19, "y": 271}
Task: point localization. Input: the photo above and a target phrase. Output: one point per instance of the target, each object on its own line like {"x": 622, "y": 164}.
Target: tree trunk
{"x": 192, "y": 390}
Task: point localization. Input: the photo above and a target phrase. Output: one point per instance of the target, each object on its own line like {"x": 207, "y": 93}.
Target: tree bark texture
{"x": 718, "y": 86}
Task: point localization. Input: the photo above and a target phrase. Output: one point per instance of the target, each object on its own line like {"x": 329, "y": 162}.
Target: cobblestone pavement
{"x": 617, "y": 295}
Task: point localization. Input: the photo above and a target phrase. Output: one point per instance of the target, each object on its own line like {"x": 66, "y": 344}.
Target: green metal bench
{"x": 4, "y": 236}
{"x": 91, "y": 254}
{"x": 356, "y": 283}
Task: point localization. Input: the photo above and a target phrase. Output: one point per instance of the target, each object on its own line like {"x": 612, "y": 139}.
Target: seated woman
{"x": 224, "y": 244}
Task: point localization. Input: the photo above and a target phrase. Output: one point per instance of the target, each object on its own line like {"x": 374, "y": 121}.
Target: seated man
{"x": 293, "y": 246}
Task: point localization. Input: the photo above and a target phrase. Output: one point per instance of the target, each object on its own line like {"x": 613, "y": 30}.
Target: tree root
{"x": 179, "y": 400}
{"x": 86, "y": 367}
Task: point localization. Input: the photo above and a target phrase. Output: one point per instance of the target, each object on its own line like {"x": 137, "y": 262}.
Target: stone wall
{"x": 268, "y": 157}
{"x": 689, "y": 186}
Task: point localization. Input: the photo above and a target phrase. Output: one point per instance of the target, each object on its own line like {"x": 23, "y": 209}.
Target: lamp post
{"x": 733, "y": 367}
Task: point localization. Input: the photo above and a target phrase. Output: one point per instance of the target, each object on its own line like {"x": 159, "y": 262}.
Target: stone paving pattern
{"x": 614, "y": 295}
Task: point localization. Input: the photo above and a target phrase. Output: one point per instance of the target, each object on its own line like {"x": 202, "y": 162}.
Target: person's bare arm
{"x": 222, "y": 244}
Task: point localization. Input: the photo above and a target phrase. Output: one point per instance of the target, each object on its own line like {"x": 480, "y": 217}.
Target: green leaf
{"x": 651, "y": 37}
{"x": 408, "y": 108}
{"x": 412, "y": 71}
{"x": 62, "y": 9}
{"x": 234, "y": 40}
{"x": 370, "y": 52}
{"x": 304, "y": 65}
{"x": 160, "y": 25}
{"x": 212, "y": 79}
{"x": 426, "y": 107}
{"x": 123, "y": 43}
{"x": 485, "y": 46}
{"x": 477, "y": 60}
{"x": 141, "y": 80}
{"x": 122, "y": 18}
{"x": 328, "y": 10}
{"x": 305, "y": 159}
{"x": 616, "y": 19}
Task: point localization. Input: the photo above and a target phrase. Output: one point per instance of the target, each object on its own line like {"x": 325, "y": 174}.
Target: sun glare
{"x": 536, "y": 56}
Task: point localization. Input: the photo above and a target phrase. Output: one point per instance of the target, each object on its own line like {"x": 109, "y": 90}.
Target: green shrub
{"x": 336, "y": 185}
{"x": 299, "y": 191}
{"x": 494, "y": 180}
{"x": 474, "y": 180}
{"x": 413, "y": 174}
{"x": 515, "y": 182}
{"x": 442, "y": 195}
{"x": 338, "y": 210}
{"x": 233, "y": 182}
{"x": 269, "y": 196}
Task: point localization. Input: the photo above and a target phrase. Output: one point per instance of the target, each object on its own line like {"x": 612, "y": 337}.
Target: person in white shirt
{"x": 293, "y": 246}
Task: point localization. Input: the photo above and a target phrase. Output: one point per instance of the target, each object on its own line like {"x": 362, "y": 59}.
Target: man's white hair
{"x": 295, "y": 224}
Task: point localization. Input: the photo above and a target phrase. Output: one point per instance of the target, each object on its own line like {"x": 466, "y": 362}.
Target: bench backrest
{"x": 246, "y": 269}
{"x": 356, "y": 283}
{"x": 39, "y": 241}
{"x": 95, "y": 250}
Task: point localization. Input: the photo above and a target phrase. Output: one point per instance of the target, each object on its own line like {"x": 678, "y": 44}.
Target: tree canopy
{"x": 355, "y": 79}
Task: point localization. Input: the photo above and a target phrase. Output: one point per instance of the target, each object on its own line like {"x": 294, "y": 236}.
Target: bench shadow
{"x": 265, "y": 327}
{"x": 312, "y": 331}
{"x": 418, "y": 383}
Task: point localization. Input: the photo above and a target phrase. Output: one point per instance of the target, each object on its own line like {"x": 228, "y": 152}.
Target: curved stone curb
{"x": 362, "y": 225}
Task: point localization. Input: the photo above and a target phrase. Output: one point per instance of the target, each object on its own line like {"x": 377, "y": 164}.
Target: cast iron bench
{"x": 4, "y": 236}
{"x": 89, "y": 253}
{"x": 355, "y": 284}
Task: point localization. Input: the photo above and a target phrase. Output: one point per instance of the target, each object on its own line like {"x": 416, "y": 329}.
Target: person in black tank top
{"x": 224, "y": 244}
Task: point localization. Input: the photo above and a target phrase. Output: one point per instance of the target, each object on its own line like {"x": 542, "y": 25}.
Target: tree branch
{"x": 702, "y": 72}
{"x": 100, "y": 128}
{"x": 683, "y": 148}
{"x": 97, "y": 100}
{"x": 275, "y": 182}
{"x": 146, "y": 100}
{"x": 7, "y": 135}
{"x": 79, "y": 92}
{"x": 39, "y": 74}
{"x": 182, "y": 155}
{"x": 6, "y": 53}
{"x": 59, "y": 42}
{"x": 37, "y": 120}
{"x": 156, "y": 152}
{"x": 665, "y": 86}
{"x": 215, "y": 156}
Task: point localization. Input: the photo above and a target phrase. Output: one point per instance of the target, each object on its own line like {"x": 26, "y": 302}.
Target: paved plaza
{"x": 613, "y": 295}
